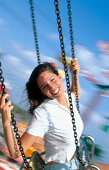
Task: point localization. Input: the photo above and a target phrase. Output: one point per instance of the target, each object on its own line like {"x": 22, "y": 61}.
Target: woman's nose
{"x": 50, "y": 85}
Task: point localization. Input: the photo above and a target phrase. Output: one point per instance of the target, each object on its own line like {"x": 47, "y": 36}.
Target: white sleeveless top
{"x": 54, "y": 122}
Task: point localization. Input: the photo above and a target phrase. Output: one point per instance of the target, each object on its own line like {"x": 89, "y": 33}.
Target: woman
{"x": 50, "y": 117}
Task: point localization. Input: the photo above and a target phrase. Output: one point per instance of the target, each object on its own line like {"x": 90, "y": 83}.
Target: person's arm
{"x": 102, "y": 166}
{"x": 75, "y": 66}
{"x": 26, "y": 139}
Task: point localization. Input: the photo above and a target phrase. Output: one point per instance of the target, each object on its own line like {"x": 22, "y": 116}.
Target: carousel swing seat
{"x": 36, "y": 162}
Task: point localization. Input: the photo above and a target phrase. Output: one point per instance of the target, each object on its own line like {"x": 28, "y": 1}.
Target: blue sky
{"x": 90, "y": 25}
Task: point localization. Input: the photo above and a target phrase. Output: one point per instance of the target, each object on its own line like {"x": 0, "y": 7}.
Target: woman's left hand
{"x": 74, "y": 66}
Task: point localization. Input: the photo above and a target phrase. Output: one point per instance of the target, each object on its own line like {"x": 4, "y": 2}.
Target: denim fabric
{"x": 71, "y": 165}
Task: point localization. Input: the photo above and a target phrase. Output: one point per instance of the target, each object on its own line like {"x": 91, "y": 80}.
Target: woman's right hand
{"x": 5, "y": 108}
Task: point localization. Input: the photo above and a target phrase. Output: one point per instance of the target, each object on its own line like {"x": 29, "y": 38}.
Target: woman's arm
{"x": 26, "y": 139}
{"x": 75, "y": 66}
{"x": 100, "y": 165}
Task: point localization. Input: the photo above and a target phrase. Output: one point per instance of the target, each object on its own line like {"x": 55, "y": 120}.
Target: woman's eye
{"x": 52, "y": 78}
{"x": 44, "y": 87}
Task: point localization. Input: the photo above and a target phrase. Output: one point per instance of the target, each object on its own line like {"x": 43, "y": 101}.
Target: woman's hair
{"x": 35, "y": 96}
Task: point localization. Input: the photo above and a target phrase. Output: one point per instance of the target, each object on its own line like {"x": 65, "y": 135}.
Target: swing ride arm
{"x": 87, "y": 155}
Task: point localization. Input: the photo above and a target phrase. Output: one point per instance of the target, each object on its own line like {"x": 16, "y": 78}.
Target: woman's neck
{"x": 63, "y": 101}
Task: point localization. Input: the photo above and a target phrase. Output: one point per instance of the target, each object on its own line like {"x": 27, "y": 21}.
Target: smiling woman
{"x": 46, "y": 82}
{"x": 50, "y": 110}
{"x": 47, "y": 115}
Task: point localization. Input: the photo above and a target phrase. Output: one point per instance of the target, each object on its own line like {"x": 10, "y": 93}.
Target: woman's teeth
{"x": 56, "y": 91}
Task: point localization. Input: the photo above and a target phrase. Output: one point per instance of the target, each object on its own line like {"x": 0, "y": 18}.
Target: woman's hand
{"x": 5, "y": 108}
{"x": 74, "y": 66}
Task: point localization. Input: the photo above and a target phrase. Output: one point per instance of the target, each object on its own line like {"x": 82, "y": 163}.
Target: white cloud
{"x": 87, "y": 58}
{"x": 105, "y": 60}
{"x": 28, "y": 54}
{"x": 31, "y": 55}
{"x": 15, "y": 67}
{"x": 2, "y": 22}
{"x": 88, "y": 61}
{"x": 20, "y": 68}
{"x": 51, "y": 60}
{"x": 28, "y": 72}
{"x": 93, "y": 116}
{"x": 84, "y": 95}
{"x": 98, "y": 119}
{"x": 54, "y": 36}
{"x": 8, "y": 85}
{"x": 14, "y": 60}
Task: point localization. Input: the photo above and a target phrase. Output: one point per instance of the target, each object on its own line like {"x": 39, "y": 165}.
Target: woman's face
{"x": 51, "y": 84}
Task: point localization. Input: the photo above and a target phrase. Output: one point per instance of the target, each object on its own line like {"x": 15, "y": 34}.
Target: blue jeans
{"x": 71, "y": 165}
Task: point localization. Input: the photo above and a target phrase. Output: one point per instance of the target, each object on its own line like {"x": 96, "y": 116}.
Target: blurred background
{"x": 18, "y": 57}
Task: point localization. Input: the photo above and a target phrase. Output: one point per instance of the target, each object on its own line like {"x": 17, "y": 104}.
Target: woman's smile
{"x": 55, "y": 92}
{"x": 50, "y": 84}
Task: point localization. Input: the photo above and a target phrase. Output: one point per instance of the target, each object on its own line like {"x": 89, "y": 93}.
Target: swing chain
{"x": 35, "y": 32}
{"x": 13, "y": 121}
{"x": 67, "y": 80}
{"x": 70, "y": 26}
{"x": 73, "y": 54}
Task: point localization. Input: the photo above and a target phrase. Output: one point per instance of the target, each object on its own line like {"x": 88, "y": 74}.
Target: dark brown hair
{"x": 35, "y": 96}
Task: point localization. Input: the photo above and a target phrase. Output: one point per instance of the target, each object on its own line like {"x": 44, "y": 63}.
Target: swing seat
{"x": 86, "y": 154}
{"x": 35, "y": 161}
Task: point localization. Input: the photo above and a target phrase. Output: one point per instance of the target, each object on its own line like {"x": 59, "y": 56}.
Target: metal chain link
{"x": 67, "y": 79}
{"x": 13, "y": 121}
{"x": 73, "y": 52}
{"x": 34, "y": 30}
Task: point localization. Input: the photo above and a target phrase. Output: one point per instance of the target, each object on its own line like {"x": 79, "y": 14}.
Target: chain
{"x": 13, "y": 121}
{"x": 34, "y": 30}
{"x": 67, "y": 79}
{"x": 73, "y": 53}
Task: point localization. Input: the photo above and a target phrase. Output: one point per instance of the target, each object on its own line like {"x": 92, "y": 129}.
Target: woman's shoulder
{"x": 42, "y": 107}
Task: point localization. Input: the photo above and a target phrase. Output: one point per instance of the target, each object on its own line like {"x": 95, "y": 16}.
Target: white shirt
{"x": 53, "y": 121}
